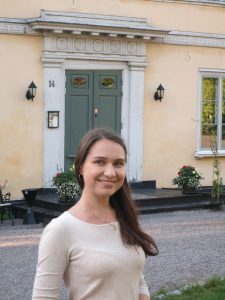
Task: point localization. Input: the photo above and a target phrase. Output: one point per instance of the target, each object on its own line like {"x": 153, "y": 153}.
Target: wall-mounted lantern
{"x": 53, "y": 119}
{"x": 159, "y": 94}
{"x": 31, "y": 92}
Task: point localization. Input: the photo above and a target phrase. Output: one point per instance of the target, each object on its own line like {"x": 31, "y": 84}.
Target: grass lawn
{"x": 214, "y": 289}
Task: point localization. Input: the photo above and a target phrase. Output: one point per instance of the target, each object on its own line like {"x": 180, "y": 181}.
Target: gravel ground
{"x": 191, "y": 245}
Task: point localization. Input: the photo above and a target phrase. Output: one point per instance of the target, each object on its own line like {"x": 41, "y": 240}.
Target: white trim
{"x": 82, "y": 23}
{"x": 186, "y": 38}
{"x": 102, "y": 26}
{"x": 195, "y": 2}
{"x": 199, "y": 112}
{"x": 212, "y": 73}
{"x": 53, "y": 146}
{"x": 207, "y": 153}
{"x": 219, "y": 121}
{"x": 92, "y": 47}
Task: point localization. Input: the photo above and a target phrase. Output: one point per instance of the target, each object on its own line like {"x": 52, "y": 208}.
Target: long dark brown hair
{"x": 126, "y": 211}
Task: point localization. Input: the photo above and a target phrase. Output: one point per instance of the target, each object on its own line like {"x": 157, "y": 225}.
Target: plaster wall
{"x": 167, "y": 145}
{"x": 169, "y": 15}
{"x": 170, "y": 127}
{"x": 21, "y": 121}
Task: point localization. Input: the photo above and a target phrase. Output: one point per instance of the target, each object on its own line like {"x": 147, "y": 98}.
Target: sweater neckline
{"x": 112, "y": 224}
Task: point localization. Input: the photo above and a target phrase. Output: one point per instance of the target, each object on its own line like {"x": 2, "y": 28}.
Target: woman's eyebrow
{"x": 121, "y": 159}
{"x": 103, "y": 157}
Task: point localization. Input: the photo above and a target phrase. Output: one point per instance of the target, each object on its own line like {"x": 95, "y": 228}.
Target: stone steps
{"x": 46, "y": 206}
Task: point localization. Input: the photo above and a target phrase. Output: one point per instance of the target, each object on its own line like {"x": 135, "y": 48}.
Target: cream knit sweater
{"x": 92, "y": 260}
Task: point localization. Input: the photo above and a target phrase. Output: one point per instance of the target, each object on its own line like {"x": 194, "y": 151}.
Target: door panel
{"x": 107, "y": 109}
{"x": 93, "y": 99}
{"x": 108, "y": 99}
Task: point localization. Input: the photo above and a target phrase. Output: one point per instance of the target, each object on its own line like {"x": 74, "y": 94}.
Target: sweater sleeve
{"x": 143, "y": 288}
{"x": 52, "y": 262}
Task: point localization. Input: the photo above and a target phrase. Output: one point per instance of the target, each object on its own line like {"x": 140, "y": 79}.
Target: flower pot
{"x": 30, "y": 195}
{"x": 188, "y": 189}
{"x": 67, "y": 200}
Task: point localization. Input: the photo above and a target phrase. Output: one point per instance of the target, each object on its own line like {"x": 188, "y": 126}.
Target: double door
{"x": 93, "y": 100}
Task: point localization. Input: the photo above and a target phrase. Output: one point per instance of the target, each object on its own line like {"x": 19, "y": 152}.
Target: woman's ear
{"x": 81, "y": 170}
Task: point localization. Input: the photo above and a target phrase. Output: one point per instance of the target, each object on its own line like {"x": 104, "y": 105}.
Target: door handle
{"x": 95, "y": 112}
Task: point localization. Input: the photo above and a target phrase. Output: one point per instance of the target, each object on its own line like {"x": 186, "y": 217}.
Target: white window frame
{"x": 220, "y": 74}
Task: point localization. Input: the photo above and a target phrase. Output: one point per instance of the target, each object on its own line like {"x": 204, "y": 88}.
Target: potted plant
{"x": 3, "y": 197}
{"x": 29, "y": 196}
{"x": 188, "y": 179}
{"x": 67, "y": 186}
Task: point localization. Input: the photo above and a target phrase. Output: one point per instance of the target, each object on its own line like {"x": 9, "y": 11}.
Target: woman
{"x": 97, "y": 246}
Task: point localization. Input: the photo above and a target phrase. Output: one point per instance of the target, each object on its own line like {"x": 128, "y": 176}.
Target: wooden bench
{"x": 5, "y": 205}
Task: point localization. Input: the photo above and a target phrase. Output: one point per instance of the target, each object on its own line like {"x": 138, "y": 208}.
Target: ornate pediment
{"x": 83, "y": 24}
{"x": 97, "y": 25}
{"x": 68, "y": 46}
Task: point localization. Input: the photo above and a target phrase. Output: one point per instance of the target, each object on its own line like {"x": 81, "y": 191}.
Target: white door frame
{"x": 55, "y": 65}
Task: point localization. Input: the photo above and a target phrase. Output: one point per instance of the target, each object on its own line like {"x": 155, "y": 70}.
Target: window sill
{"x": 207, "y": 153}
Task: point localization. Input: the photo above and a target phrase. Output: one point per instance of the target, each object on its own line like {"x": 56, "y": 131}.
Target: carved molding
{"x": 197, "y": 2}
{"x": 16, "y": 28}
{"x": 192, "y": 39}
{"x": 65, "y": 46}
{"x": 195, "y": 41}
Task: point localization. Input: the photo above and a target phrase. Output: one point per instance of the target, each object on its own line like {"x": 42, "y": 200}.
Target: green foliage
{"x": 214, "y": 289}
{"x": 217, "y": 184}
{"x": 209, "y": 106}
{"x": 187, "y": 177}
{"x": 217, "y": 189}
{"x": 210, "y": 88}
{"x": 6, "y": 215}
{"x": 62, "y": 177}
{"x": 66, "y": 184}
{"x": 209, "y": 128}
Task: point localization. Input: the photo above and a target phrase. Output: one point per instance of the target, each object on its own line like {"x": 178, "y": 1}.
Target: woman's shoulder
{"x": 55, "y": 236}
{"x": 60, "y": 224}
{"x": 61, "y": 221}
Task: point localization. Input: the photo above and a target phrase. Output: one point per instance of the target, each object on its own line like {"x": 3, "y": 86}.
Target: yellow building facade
{"x": 180, "y": 44}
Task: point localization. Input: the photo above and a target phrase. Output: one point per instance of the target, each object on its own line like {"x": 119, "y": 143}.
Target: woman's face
{"x": 104, "y": 169}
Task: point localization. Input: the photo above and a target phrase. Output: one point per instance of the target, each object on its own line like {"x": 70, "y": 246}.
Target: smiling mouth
{"x": 107, "y": 181}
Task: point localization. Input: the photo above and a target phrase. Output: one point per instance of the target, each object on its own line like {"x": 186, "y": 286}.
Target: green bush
{"x": 66, "y": 184}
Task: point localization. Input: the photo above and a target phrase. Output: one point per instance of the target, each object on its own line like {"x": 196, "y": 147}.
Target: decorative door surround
{"x": 87, "y": 41}
{"x": 55, "y": 64}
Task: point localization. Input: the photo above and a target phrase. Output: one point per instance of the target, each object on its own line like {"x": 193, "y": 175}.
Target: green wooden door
{"x": 93, "y": 99}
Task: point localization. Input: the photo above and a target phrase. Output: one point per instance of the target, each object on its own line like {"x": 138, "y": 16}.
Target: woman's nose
{"x": 109, "y": 170}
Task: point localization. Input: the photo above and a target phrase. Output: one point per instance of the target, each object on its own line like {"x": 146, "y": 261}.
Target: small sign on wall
{"x": 53, "y": 119}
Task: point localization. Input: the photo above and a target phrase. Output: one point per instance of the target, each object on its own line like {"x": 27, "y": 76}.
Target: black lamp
{"x": 31, "y": 92}
{"x": 159, "y": 94}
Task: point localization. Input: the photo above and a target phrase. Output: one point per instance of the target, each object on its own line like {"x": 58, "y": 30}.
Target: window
{"x": 212, "y": 112}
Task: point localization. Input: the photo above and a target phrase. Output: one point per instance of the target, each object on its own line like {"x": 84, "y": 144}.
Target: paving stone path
{"x": 191, "y": 245}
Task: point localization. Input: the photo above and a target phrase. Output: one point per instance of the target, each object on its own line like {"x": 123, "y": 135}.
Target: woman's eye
{"x": 99, "y": 162}
{"x": 119, "y": 164}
